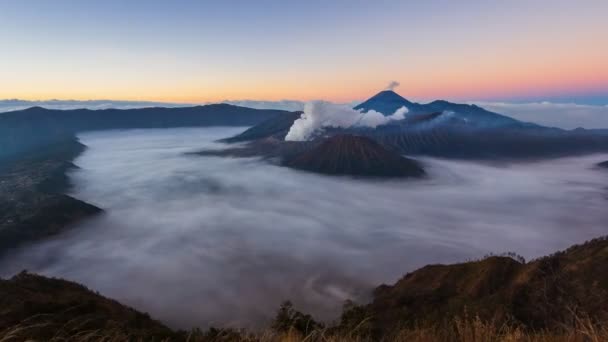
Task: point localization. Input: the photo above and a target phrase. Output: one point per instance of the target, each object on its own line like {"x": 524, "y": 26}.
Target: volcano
{"x": 355, "y": 156}
{"x": 385, "y": 102}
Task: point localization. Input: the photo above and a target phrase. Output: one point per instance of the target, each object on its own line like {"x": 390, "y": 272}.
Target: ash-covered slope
{"x": 355, "y": 156}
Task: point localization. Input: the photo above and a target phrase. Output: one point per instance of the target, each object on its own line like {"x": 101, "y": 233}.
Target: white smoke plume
{"x": 320, "y": 114}
{"x": 392, "y": 85}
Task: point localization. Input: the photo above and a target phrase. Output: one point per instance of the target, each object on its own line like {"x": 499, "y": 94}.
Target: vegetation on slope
{"x": 38, "y": 308}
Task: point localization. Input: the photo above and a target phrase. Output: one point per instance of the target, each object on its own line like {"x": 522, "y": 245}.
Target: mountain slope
{"x": 355, "y": 156}
{"x": 276, "y": 127}
{"x": 540, "y": 294}
{"x": 473, "y": 115}
{"x": 32, "y": 200}
{"x": 41, "y": 309}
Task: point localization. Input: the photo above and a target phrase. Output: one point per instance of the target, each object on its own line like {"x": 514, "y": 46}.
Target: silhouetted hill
{"x": 44, "y": 309}
{"x": 355, "y": 156}
{"x": 25, "y": 130}
{"x": 603, "y": 164}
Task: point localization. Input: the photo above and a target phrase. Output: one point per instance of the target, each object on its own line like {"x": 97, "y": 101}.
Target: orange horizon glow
{"x": 473, "y": 89}
{"x": 475, "y": 51}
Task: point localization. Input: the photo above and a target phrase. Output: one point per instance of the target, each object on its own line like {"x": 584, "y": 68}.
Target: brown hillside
{"x": 540, "y": 294}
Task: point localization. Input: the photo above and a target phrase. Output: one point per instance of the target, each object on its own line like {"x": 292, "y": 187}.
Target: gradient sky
{"x": 197, "y": 51}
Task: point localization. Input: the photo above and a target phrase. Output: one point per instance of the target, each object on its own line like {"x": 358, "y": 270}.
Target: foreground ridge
{"x": 561, "y": 297}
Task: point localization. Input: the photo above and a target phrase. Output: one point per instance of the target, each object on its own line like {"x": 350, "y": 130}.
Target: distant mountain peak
{"x": 385, "y": 102}
{"x": 389, "y": 95}
{"x": 35, "y": 109}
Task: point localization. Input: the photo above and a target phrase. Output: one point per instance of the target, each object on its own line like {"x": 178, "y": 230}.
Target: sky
{"x": 188, "y": 51}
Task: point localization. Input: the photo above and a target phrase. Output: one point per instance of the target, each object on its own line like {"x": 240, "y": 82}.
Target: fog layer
{"x": 199, "y": 241}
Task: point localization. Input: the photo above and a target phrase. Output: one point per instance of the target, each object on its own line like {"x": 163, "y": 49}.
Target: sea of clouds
{"x": 199, "y": 241}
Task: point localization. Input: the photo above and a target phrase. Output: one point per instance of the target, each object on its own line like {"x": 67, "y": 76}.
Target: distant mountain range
{"x": 451, "y": 130}
{"x": 25, "y": 130}
{"x": 439, "y": 128}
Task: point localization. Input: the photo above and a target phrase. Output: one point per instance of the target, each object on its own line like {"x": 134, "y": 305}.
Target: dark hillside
{"x": 41, "y": 309}
{"x": 32, "y": 203}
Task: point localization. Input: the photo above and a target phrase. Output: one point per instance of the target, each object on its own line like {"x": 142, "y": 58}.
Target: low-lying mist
{"x": 199, "y": 241}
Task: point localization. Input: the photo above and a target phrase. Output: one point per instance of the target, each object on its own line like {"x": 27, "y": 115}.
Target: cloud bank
{"x": 199, "y": 241}
{"x": 319, "y": 114}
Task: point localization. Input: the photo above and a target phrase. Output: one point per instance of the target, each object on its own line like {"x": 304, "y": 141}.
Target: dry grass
{"x": 459, "y": 330}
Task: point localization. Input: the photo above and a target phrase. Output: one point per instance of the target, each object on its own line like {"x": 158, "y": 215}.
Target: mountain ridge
{"x": 36, "y": 126}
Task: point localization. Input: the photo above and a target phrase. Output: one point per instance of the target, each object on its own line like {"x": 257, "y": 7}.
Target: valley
{"x": 181, "y": 223}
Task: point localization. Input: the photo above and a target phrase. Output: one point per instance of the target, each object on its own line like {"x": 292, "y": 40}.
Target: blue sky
{"x": 196, "y": 51}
